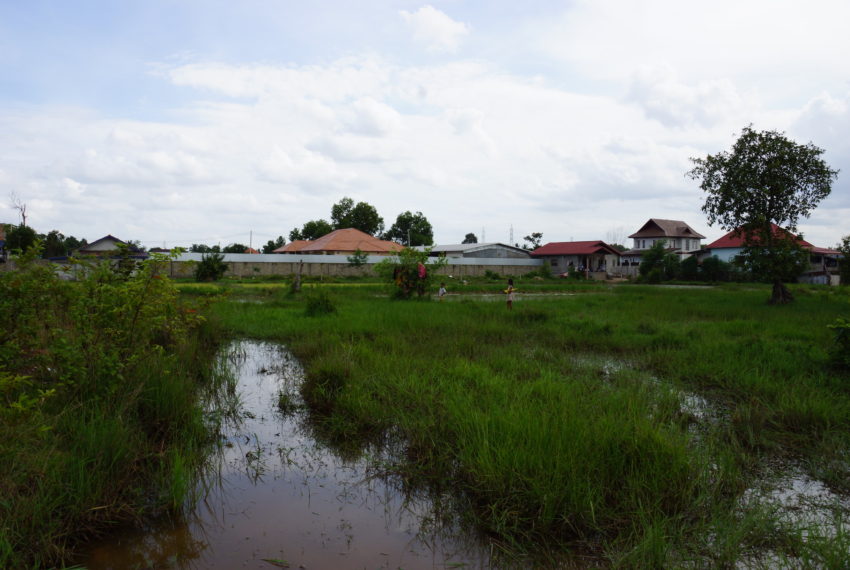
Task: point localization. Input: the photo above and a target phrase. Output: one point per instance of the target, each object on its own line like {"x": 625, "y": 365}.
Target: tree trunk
{"x": 781, "y": 295}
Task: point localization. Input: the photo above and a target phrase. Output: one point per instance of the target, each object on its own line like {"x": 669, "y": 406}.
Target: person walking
{"x": 510, "y": 293}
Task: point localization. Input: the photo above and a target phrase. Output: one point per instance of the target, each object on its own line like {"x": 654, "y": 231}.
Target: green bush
{"x": 211, "y": 267}
{"x": 319, "y": 303}
{"x": 99, "y": 381}
{"x": 841, "y": 348}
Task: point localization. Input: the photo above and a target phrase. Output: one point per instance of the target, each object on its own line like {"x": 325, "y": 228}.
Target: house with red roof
{"x": 594, "y": 258}
{"x": 342, "y": 242}
{"x": 823, "y": 262}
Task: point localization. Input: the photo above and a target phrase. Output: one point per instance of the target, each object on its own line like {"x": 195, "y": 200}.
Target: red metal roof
{"x": 574, "y": 248}
{"x": 736, "y": 239}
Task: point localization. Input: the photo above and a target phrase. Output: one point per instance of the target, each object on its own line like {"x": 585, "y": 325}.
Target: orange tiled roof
{"x": 350, "y": 240}
{"x": 293, "y": 246}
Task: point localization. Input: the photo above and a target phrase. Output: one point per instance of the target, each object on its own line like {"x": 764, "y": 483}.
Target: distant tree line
{"x": 20, "y": 238}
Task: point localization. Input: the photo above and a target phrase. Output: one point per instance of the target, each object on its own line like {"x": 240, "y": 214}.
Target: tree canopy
{"x": 360, "y": 216}
{"x": 533, "y": 241}
{"x": 204, "y": 248}
{"x": 470, "y": 238}
{"x": 272, "y": 245}
{"x": 411, "y": 230}
{"x": 235, "y": 248}
{"x": 312, "y": 230}
{"x": 765, "y": 181}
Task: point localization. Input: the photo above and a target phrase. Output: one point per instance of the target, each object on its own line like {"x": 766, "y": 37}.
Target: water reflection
{"x": 276, "y": 497}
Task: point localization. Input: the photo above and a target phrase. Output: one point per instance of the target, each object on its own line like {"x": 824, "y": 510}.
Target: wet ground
{"x": 276, "y": 498}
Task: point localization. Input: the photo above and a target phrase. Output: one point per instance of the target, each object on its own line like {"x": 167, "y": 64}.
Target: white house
{"x": 678, "y": 237}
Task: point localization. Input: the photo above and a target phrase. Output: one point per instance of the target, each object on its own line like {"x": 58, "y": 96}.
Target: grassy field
{"x": 627, "y": 423}
{"x": 101, "y": 408}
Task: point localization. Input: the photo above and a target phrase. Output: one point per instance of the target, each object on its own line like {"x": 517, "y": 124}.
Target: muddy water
{"x": 276, "y": 498}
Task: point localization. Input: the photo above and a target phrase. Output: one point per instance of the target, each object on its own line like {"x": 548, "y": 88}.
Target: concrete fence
{"x": 264, "y": 265}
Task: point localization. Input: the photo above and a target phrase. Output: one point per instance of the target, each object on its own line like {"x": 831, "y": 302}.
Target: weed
{"x": 319, "y": 303}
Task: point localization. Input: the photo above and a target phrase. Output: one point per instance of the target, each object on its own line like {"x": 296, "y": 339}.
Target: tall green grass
{"x": 101, "y": 420}
{"x": 560, "y": 421}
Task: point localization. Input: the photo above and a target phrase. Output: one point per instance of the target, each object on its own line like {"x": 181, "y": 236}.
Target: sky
{"x": 175, "y": 122}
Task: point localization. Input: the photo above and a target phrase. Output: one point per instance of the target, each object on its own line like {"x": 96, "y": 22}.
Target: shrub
{"x": 713, "y": 269}
{"x": 358, "y": 259}
{"x": 841, "y": 348}
{"x": 492, "y": 275}
{"x": 319, "y": 303}
{"x": 409, "y": 271}
{"x": 211, "y": 268}
{"x": 689, "y": 269}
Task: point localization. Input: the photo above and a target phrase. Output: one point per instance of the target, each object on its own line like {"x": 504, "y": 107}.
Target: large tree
{"x": 766, "y": 181}
{"x": 312, "y": 230}
{"x": 272, "y": 245}
{"x": 411, "y": 230}
{"x": 470, "y": 238}
{"x": 361, "y": 216}
{"x": 54, "y": 244}
{"x": 20, "y": 238}
{"x": 533, "y": 241}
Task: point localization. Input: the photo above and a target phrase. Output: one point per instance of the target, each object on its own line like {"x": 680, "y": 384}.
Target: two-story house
{"x": 678, "y": 238}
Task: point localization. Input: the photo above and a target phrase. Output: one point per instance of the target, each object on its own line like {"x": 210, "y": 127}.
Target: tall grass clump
{"x": 99, "y": 416}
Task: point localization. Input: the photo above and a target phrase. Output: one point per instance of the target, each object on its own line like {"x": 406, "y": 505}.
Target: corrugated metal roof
{"x": 468, "y": 247}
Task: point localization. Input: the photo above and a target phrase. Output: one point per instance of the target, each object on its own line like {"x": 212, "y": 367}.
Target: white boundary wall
{"x": 246, "y": 265}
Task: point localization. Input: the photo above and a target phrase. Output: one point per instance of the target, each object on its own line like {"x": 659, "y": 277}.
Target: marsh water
{"x": 275, "y": 497}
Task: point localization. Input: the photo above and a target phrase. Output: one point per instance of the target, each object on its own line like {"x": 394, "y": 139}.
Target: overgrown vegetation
{"x": 409, "y": 272}
{"x": 211, "y": 267}
{"x": 569, "y": 422}
{"x": 99, "y": 414}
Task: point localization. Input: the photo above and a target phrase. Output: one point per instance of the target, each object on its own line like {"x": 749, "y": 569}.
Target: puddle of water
{"x": 278, "y": 495}
{"x": 802, "y": 500}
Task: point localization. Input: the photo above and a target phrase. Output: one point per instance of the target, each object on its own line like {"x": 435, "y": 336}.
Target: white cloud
{"x": 781, "y": 47}
{"x": 372, "y": 118}
{"x": 435, "y": 30}
{"x": 674, "y": 103}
